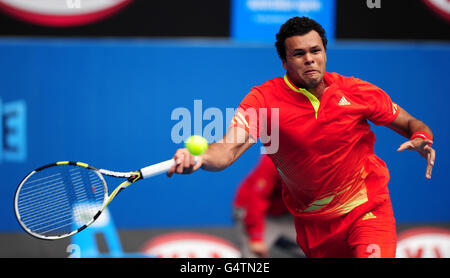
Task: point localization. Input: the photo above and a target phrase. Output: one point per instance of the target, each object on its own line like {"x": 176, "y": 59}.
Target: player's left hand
{"x": 423, "y": 147}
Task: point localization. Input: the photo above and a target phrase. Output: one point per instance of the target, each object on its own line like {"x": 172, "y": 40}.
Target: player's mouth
{"x": 311, "y": 72}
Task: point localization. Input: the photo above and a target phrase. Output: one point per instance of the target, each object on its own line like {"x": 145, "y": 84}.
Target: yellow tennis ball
{"x": 196, "y": 144}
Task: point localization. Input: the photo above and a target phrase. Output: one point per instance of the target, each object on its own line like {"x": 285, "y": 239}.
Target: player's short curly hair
{"x": 297, "y": 26}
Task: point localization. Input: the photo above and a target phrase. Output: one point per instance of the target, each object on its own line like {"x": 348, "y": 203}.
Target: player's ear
{"x": 283, "y": 62}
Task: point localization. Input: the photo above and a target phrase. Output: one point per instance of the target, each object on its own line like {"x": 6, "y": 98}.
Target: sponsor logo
{"x": 190, "y": 245}
{"x": 424, "y": 242}
{"x": 369, "y": 215}
{"x": 62, "y": 12}
{"x": 301, "y": 6}
{"x": 259, "y": 20}
{"x": 343, "y": 101}
{"x": 13, "y": 124}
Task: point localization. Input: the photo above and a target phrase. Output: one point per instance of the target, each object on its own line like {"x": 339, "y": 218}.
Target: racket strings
{"x": 58, "y": 200}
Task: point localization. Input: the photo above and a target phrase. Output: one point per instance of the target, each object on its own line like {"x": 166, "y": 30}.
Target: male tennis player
{"x": 334, "y": 184}
{"x": 262, "y": 221}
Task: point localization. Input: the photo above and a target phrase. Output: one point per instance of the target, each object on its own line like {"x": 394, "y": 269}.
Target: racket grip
{"x": 158, "y": 168}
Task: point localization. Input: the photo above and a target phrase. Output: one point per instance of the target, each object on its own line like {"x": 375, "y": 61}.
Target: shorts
{"x": 365, "y": 232}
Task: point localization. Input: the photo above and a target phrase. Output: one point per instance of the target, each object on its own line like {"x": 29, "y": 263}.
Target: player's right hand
{"x": 185, "y": 163}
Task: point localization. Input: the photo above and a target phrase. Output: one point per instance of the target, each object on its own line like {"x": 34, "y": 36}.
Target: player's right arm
{"x": 242, "y": 133}
{"x": 219, "y": 155}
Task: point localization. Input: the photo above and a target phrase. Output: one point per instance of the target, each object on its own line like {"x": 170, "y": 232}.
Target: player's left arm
{"x": 420, "y": 135}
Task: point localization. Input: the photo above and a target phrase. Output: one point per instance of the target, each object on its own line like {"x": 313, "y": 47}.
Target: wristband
{"x": 423, "y": 135}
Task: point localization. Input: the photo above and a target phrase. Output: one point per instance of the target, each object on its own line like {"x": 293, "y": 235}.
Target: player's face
{"x": 305, "y": 60}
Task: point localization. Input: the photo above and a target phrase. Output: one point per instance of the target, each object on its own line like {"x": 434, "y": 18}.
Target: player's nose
{"x": 308, "y": 59}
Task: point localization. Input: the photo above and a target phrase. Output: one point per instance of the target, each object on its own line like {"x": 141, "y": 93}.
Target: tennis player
{"x": 333, "y": 183}
{"x": 262, "y": 221}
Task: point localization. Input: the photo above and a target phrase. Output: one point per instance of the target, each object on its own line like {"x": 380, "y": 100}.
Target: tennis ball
{"x": 196, "y": 145}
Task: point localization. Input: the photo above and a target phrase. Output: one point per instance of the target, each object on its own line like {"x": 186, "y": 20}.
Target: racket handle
{"x": 158, "y": 168}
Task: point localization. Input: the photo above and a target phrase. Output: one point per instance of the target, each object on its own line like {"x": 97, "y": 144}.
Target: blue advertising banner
{"x": 260, "y": 20}
{"x": 118, "y": 105}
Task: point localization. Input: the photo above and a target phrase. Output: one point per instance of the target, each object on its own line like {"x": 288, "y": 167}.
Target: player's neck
{"x": 318, "y": 90}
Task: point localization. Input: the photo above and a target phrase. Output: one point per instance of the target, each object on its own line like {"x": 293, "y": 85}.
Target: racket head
{"x": 60, "y": 199}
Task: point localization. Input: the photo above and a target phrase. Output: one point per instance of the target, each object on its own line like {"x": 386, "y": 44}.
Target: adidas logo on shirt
{"x": 344, "y": 101}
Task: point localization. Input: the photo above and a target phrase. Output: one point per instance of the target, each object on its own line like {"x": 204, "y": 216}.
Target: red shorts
{"x": 365, "y": 232}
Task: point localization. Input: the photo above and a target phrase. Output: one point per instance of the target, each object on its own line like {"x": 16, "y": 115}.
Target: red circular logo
{"x": 441, "y": 7}
{"x": 424, "y": 242}
{"x": 62, "y": 13}
{"x": 190, "y": 245}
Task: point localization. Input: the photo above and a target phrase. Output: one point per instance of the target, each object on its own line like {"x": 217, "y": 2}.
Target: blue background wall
{"x": 109, "y": 103}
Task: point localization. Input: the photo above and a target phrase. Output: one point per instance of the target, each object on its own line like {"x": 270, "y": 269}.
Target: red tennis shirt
{"x": 326, "y": 148}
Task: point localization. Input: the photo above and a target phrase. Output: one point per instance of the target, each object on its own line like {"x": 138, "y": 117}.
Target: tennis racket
{"x": 61, "y": 199}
